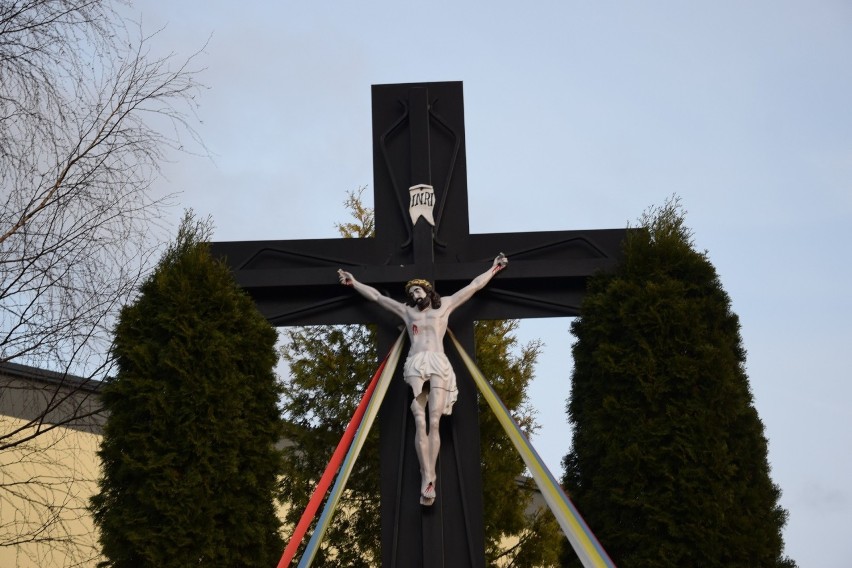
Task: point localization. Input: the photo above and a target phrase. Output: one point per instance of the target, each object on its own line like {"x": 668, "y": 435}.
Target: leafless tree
{"x": 86, "y": 116}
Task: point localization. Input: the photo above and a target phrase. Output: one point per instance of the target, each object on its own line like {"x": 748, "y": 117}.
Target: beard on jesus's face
{"x": 422, "y": 303}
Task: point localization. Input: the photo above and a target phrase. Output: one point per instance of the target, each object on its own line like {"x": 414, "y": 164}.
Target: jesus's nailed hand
{"x": 345, "y": 278}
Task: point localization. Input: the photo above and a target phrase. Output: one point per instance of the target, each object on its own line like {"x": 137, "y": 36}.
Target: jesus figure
{"x": 427, "y": 369}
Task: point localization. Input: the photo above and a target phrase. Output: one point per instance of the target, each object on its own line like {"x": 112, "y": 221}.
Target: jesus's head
{"x": 421, "y": 294}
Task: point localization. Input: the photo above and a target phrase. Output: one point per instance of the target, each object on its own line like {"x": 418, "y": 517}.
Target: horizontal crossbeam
{"x": 295, "y": 282}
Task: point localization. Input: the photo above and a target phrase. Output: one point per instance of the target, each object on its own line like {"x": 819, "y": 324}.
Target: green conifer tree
{"x": 329, "y": 370}
{"x": 190, "y": 465}
{"x": 669, "y": 460}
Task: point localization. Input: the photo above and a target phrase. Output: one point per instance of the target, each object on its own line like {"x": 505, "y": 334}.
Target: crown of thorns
{"x": 417, "y": 282}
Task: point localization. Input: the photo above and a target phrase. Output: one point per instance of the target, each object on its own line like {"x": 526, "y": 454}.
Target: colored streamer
{"x": 351, "y": 456}
{"x": 330, "y": 471}
{"x": 587, "y": 547}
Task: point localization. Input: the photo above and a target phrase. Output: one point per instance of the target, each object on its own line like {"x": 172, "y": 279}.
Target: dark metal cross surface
{"x": 418, "y": 139}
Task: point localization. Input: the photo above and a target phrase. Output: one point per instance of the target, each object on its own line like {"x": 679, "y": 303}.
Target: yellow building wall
{"x": 45, "y": 485}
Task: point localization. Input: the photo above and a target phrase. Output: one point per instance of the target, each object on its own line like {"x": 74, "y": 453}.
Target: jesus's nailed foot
{"x": 427, "y": 498}
{"x": 429, "y": 490}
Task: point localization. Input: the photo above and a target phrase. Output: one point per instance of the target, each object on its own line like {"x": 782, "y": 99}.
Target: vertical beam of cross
{"x": 445, "y": 534}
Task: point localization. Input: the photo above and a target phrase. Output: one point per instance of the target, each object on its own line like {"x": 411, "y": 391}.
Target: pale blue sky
{"x": 579, "y": 115}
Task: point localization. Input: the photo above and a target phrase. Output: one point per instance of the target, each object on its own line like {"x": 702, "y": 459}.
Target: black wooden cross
{"x": 418, "y": 140}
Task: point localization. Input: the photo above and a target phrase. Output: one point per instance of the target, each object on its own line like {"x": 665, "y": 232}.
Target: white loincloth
{"x": 435, "y": 368}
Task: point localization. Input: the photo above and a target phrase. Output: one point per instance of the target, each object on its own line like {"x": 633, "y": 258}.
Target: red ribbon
{"x": 330, "y": 471}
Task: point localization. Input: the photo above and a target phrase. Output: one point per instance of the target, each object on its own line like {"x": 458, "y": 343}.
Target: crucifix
{"x": 422, "y": 232}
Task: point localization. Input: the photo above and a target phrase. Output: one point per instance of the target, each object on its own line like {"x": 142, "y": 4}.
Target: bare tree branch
{"x": 86, "y": 118}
